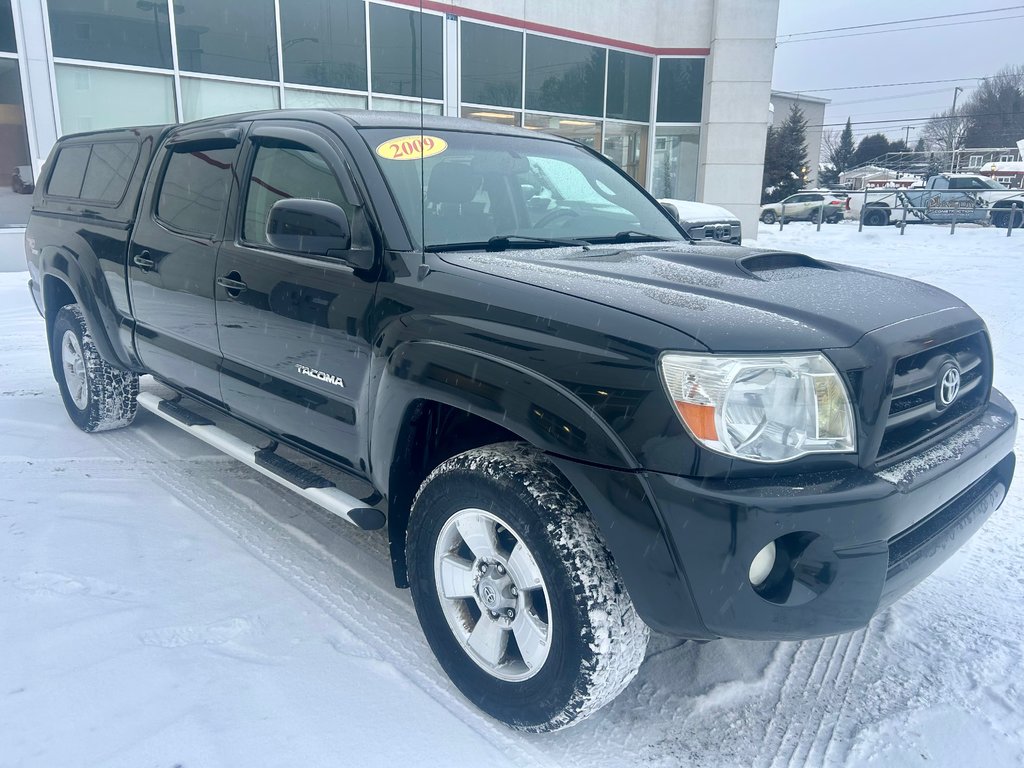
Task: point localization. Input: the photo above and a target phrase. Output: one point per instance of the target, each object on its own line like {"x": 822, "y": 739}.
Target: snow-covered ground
{"x": 163, "y": 606}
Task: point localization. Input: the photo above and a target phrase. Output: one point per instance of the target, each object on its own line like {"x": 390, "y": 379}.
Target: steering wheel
{"x": 554, "y": 215}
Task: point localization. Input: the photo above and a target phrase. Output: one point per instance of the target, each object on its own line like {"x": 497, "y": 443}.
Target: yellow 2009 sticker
{"x": 411, "y": 147}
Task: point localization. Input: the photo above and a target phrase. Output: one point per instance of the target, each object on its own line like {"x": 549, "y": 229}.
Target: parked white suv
{"x": 804, "y": 206}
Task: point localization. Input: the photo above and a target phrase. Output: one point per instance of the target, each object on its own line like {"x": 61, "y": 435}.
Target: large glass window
{"x": 586, "y": 132}
{"x": 15, "y": 202}
{"x": 207, "y": 98}
{"x": 564, "y": 77}
{"x": 625, "y": 144}
{"x": 7, "y": 40}
{"x": 488, "y": 115}
{"x": 400, "y": 105}
{"x": 680, "y": 90}
{"x": 194, "y": 188}
{"x": 227, "y": 37}
{"x": 92, "y": 99}
{"x": 120, "y": 31}
{"x": 675, "y": 162}
{"x": 492, "y": 65}
{"x": 629, "y": 86}
{"x": 324, "y": 43}
{"x": 300, "y": 98}
{"x": 405, "y": 52}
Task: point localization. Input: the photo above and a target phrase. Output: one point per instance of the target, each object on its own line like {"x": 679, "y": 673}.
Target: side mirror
{"x": 670, "y": 210}
{"x": 314, "y": 227}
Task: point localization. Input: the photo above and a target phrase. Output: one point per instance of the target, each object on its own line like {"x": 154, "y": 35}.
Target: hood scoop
{"x": 780, "y": 266}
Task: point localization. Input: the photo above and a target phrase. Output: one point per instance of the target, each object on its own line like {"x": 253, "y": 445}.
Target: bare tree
{"x": 946, "y": 130}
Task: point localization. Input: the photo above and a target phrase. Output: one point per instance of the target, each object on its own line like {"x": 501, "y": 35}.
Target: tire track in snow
{"x": 369, "y": 612}
{"x": 812, "y": 701}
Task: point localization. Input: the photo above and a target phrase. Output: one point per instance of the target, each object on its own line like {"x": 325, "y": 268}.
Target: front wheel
{"x": 768, "y": 217}
{"x": 519, "y": 599}
{"x": 97, "y": 396}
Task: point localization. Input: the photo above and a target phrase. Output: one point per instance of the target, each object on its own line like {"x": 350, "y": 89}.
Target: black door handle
{"x": 143, "y": 262}
{"x": 232, "y": 283}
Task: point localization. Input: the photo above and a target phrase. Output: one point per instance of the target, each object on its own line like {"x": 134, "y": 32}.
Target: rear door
{"x": 173, "y": 257}
{"x": 294, "y": 329}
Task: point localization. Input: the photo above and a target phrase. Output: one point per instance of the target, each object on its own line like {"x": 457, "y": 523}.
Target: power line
{"x": 886, "y": 85}
{"x": 905, "y": 21}
{"x": 902, "y": 29}
{"x": 906, "y": 120}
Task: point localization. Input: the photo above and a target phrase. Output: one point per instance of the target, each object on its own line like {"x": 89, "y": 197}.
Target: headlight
{"x": 768, "y": 409}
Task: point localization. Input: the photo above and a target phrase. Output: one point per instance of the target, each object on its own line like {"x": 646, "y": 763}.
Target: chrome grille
{"x": 915, "y": 412}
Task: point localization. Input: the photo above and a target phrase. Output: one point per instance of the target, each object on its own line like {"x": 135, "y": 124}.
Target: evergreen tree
{"x": 840, "y": 157}
{"x": 870, "y": 148}
{"x": 785, "y": 157}
{"x": 919, "y": 147}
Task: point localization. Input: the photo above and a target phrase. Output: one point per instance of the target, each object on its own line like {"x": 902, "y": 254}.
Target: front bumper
{"x": 849, "y": 543}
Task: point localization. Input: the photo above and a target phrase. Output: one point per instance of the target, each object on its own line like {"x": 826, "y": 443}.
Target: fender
{"x": 538, "y": 409}
{"x": 81, "y": 275}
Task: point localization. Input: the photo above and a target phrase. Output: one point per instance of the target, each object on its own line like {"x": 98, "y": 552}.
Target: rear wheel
{"x": 517, "y": 595}
{"x": 1001, "y": 218}
{"x": 97, "y": 396}
{"x": 876, "y": 217}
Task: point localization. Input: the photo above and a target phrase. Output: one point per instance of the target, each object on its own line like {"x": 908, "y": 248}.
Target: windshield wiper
{"x": 504, "y": 242}
{"x": 626, "y": 235}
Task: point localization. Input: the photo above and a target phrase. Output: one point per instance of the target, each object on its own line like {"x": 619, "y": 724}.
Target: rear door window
{"x": 69, "y": 171}
{"x": 194, "y": 189}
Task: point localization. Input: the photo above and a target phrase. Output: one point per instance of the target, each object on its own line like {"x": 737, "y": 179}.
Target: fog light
{"x": 762, "y": 564}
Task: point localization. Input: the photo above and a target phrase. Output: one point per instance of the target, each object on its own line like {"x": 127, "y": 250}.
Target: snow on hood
{"x": 728, "y": 298}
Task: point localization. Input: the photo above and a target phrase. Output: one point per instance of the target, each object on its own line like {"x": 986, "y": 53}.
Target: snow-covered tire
{"x": 97, "y": 395}
{"x": 595, "y": 641}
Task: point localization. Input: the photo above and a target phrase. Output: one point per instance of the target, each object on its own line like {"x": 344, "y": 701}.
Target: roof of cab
{"x": 361, "y": 118}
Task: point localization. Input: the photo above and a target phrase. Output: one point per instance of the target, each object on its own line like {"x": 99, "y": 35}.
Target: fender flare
{"x": 513, "y": 397}
{"x": 84, "y": 279}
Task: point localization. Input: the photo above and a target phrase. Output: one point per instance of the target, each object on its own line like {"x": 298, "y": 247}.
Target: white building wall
{"x": 737, "y": 92}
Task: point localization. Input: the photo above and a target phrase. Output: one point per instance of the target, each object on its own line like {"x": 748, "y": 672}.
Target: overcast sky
{"x": 969, "y": 47}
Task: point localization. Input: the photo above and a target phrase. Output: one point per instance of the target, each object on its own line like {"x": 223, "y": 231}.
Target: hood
{"x": 730, "y": 299}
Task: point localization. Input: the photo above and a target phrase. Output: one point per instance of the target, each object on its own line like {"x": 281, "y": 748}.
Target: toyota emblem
{"x": 949, "y": 385}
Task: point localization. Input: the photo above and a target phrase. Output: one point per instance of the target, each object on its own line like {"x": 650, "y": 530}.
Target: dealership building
{"x": 676, "y": 92}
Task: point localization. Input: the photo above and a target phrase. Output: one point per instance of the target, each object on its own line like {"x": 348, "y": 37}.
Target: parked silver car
{"x": 804, "y": 206}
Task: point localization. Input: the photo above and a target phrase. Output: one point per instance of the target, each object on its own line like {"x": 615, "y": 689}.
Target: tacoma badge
{"x": 315, "y": 374}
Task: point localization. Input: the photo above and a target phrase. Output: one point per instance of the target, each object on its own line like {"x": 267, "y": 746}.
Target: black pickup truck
{"x": 573, "y": 423}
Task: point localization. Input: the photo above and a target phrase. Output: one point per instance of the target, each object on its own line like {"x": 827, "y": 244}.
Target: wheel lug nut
{"x": 510, "y": 614}
{"x": 483, "y": 567}
{"x": 513, "y": 591}
{"x": 494, "y": 614}
{"x": 501, "y": 568}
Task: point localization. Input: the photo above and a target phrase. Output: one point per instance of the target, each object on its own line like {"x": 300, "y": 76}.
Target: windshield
{"x": 471, "y": 188}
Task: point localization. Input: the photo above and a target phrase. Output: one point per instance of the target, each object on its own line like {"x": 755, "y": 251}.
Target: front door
{"x": 173, "y": 257}
{"x": 294, "y": 328}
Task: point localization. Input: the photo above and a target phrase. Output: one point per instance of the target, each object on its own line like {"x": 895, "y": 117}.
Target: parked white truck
{"x": 968, "y": 197}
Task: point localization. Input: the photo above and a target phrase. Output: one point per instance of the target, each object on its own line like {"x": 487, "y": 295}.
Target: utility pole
{"x": 952, "y": 116}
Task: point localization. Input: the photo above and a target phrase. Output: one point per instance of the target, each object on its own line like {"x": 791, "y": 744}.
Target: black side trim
{"x": 290, "y": 471}
{"x": 180, "y": 413}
